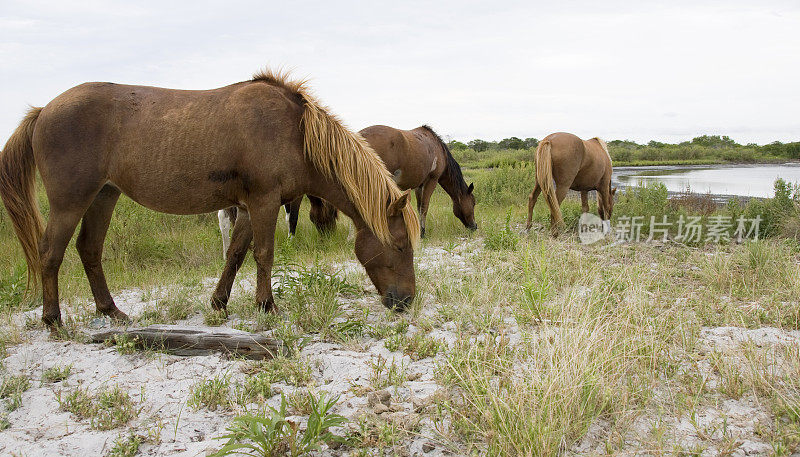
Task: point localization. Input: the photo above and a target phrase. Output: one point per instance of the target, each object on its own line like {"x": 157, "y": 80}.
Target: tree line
{"x": 627, "y": 149}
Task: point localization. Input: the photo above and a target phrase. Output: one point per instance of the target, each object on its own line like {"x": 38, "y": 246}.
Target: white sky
{"x": 621, "y": 70}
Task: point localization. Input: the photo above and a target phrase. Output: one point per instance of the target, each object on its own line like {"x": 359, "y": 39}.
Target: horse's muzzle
{"x": 473, "y": 226}
{"x": 397, "y": 302}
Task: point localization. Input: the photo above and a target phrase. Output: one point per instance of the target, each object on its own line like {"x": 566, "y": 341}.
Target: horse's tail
{"x": 17, "y": 181}
{"x": 544, "y": 177}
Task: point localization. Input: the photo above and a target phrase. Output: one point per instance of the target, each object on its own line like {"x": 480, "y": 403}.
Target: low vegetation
{"x": 105, "y": 410}
{"x": 273, "y": 434}
{"x": 537, "y": 346}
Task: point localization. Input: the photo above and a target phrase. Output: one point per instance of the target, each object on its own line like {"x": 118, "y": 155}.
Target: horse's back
{"x": 157, "y": 144}
{"x": 391, "y": 145}
{"x": 566, "y": 151}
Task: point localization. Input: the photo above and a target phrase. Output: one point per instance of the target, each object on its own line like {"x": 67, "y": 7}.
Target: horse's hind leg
{"x": 531, "y": 203}
{"x": 60, "y": 227}
{"x": 556, "y": 219}
{"x": 263, "y": 218}
{"x": 584, "y": 201}
{"x": 90, "y": 249}
{"x": 240, "y": 241}
{"x": 293, "y": 214}
{"x": 423, "y": 204}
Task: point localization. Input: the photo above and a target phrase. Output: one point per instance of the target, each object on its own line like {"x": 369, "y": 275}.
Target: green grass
{"x": 56, "y": 373}
{"x": 106, "y": 410}
{"x": 12, "y": 388}
{"x": 212, "y": 394}
{"x": 273, "y": 434}
{"x": 551, "y": 336}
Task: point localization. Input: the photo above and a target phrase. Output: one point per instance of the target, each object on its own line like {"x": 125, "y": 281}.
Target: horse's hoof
{"x": 219, "y": 304}
{"x": 268, "y": 306}
{"x": 118, "y": 316}
{"x": 53, "y": 323}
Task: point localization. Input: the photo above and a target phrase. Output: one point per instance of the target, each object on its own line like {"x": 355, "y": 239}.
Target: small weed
{"x": 503, "y": 239}
{"x": 212, "y": 394}
{"x": 125, "y": 446}
{"x": 301, "y": 401}
{"x": 418, "y": 347}
{"x": 214, "y": 318}
{"x": 382, "y": 331}
{"x": 273, "y": 434}
{"x": 293, "y": 371}
{"x": 385, "y": 375}
{"x": 124, "y": 344}
{"x": 107, "y": 410}
{"x": 179, "y": 306}
{"x": 256, "y": 388}
{"x": 56, "y": 373}
{"x": 12, "y": 389}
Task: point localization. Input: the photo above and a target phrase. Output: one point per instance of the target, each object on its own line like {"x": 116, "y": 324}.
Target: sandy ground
{"x": 160, "y": 385}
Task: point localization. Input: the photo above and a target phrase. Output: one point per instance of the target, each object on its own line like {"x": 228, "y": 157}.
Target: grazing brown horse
{"x": 568, "y": 162}
{"x": 256, "y": 145}
{"x": 418, "y": 159}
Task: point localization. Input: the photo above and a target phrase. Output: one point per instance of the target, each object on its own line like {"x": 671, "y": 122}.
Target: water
{"x": 739, "y": 180}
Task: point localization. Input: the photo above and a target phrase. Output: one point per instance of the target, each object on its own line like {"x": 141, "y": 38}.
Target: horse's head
{"x": 390, "y": 267}
{"x": 464, "y": 208}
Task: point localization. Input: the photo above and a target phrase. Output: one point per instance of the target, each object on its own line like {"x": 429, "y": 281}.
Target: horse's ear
{"x": 396, "y": 207}
{"x": 614, "y": 191}
{"x": 471, "y": 187}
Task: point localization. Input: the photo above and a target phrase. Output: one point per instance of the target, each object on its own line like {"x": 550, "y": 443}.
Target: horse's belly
{"x": 174, "y": 198}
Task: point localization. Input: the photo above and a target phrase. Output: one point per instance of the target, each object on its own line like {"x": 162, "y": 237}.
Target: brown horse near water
{"x": 564, "y": 162}
{"x": 255, "y": 145}
{"x": 418, "y": 159}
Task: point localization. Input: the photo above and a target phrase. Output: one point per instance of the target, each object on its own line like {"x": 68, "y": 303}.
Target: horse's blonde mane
{"x": 348, "y": 159}
{"x": 603, "y": 145}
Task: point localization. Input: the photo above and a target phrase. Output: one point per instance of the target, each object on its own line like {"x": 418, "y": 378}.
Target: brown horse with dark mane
{"x": 564, "y": 162}
{"x": 418, "y": 159}
{"x": 255, "y": 145}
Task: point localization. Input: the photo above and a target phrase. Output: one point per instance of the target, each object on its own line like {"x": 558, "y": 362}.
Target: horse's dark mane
{"x": 453, "y": 169}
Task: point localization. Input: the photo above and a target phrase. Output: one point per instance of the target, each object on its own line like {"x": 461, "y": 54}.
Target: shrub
{"x": 502, "y": 239}
{"x": 777, "y": 211}
{"x": 273, "y": 434}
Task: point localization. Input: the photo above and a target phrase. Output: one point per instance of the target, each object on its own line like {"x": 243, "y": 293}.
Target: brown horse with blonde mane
{"x": 418, "y": 159}
{"x": 255, "y": 145}
{"x": 564, "y": 162}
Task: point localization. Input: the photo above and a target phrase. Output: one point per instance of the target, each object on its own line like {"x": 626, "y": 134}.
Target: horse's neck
{"x": 335, "y": 194}
{"x": 449, "y": 185}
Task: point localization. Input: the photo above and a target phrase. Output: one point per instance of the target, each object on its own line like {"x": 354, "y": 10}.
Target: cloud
{"x": 471, "y": 69}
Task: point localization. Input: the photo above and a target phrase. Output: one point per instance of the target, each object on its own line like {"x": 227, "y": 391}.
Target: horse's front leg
{"x": 240, "y": 241}
{"x": 263, "y": 218}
